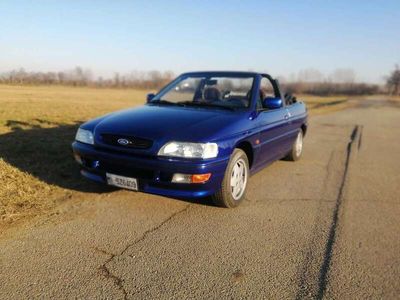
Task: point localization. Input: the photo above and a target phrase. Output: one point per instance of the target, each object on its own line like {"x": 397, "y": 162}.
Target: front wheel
{"x": 234, "y": 184}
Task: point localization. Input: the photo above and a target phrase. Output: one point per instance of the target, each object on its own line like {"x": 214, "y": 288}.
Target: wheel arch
{"x": 248, "y": 149}
{"x": 304, "y": 129}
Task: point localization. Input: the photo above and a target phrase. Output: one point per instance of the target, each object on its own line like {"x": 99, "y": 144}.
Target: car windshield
{"x": 228, "y": 92}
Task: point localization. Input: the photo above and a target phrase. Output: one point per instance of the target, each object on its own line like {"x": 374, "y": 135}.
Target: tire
{"x": 238, "y": 167}
{"x": 297, "y": 148}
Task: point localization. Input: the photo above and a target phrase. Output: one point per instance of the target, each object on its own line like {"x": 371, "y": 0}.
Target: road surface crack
{"x": 360, "y": 137}
{"x": 118, "y": 282}
{"x": 324, "y": 270}
{"x": 106, "y": 272}
{"x": 313, "y": 275}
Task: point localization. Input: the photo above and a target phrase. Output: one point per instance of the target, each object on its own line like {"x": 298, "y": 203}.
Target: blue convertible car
{"x": 202, "y": 135}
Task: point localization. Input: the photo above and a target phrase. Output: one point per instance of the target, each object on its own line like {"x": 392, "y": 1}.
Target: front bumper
{"x": 154, "y": 174}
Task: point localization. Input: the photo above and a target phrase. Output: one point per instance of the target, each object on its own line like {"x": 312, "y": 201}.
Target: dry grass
{"x": 37, "y": 125}
{"x": 65, "y": 105}
{"x": 394, "y": 98}
{"x": 320, "y": 105}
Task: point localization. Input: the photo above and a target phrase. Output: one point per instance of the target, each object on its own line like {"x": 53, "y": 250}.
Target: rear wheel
{"x": 234, "y": 184}
{"x": 297, "y": 148}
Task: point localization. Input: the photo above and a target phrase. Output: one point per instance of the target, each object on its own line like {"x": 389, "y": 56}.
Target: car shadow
{"x": 43, "y": 149}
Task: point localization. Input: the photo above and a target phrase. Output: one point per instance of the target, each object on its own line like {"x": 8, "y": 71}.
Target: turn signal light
{"x": 200, "y": 178}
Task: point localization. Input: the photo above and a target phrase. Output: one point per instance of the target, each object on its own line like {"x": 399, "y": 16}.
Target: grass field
{"x": 37, "y": 126}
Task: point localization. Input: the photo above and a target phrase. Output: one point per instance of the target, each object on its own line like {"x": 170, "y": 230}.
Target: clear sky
{"x": 281, "y": 37}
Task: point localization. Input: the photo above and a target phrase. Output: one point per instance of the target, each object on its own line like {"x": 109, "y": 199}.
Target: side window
{"x": 266, "y": 90}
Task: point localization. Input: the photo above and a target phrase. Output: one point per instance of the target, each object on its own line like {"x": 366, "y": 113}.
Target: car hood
{"x": 166, "y": 123}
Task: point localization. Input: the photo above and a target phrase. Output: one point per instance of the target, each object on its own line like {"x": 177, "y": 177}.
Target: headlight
{"x": 190, "y": 150}
{"x": 84, "y": 136}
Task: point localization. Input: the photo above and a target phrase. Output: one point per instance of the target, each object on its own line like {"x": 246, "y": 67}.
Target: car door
{"x": 296, "y": 117}
{"x": 273, "y": 126}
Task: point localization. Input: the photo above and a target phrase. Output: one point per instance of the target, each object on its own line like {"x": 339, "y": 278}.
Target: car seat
{"x": 211, "y": 94}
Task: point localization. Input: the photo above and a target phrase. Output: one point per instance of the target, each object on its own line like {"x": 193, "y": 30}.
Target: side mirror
{"x": 272, "y": 103}
{"x": 150, "y": 97}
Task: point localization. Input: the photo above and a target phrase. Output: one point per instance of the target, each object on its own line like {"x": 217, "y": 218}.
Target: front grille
{"x": 132, "y": 141}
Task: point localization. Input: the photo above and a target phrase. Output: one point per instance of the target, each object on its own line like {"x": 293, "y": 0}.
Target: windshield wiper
{"x": 203, "y": 104}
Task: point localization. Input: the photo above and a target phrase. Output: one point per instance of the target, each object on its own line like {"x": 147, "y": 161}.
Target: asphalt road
{"x": 324, "y": 227}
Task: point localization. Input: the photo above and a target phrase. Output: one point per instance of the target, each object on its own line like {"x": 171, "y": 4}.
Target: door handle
{"x": 287, "y": 116}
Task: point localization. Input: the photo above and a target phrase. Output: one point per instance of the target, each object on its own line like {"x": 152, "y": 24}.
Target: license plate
{"x": 122, "y": 181}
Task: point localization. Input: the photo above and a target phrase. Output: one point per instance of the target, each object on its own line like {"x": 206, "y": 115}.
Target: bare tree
{"x": 343, "y": 76}
{"x": 117, "y": 79}
{"x": 393, "y": 82}
{"x": 310, "y": 75}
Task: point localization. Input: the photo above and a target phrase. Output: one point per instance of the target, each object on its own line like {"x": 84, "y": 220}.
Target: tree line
{"x": 311, "y": 81}
{"x": 340, "y": 82}
{"x": 84, "y": 77}
{"x": 327, "y": 88}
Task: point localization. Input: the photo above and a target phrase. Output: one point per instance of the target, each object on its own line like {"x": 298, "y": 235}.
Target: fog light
{"x": 182, "y": 178}
{"x": 190, "y": 178}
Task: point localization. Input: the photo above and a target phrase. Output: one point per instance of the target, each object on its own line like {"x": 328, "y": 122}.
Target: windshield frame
{"x": 208, "y": 75}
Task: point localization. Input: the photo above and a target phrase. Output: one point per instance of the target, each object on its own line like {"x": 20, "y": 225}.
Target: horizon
{"x": 339, "y": 76}
{"x": 277, "y": 38}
